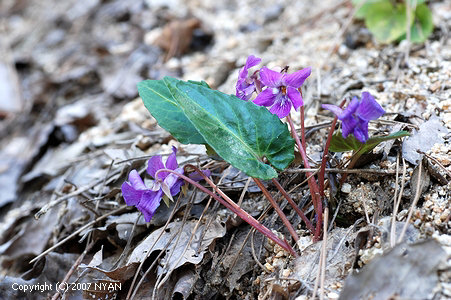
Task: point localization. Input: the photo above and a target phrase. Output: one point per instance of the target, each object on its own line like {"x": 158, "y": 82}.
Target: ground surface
{"x": 72, "y": 128}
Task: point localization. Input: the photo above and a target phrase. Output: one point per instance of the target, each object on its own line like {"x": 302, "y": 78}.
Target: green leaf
{"x": 365, "y": 7}
{"x": 387, "y": 22}
{"x": 416, "y": 2}
{"x": 162, "y": 106}
{"x": 372, "y": 142}
{"x": 340, "y": 144}
{"x": 241, "y": 132}
{"x": 422, "y": 25}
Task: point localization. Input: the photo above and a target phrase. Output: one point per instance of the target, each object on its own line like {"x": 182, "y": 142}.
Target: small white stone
{"x": 332, "y": 295}
{"x": 346, "y": 188}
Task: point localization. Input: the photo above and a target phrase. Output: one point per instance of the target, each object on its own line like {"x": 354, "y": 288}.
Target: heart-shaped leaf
{"x": 162, "y": 106}
{"x": 350, "y": 143}
{"x": 387, "y": 22}
{"x": 241, "y": 132}
{"x": 422, "y": 25}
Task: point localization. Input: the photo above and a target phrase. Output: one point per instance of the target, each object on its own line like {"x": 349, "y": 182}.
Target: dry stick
{"x": 337, "y": 170}
{"x": 294, "y": 205}
{"x": 393, "y": 224}
{"x": 62, "y": 285}
{"x": 322, "y": 260}
{"x": 228, "y": 203}
{"x": 324, "y": 253}
{"x": 254, "y": 255}
{"x": 436, "y": 161}
{"x": 158, "y": 285}
{"x": 395, "y": 212}
{"x": 243, "y": 193}
{"x": 314, "y": 191}
{"x": 277, "y": 209}
{"x": 77, "y": 232}
{"x": 48, "y": 206}
{"x": 302, "y": 125}
{"x": 150, "y": 251}
{"x": 414, "y": 203}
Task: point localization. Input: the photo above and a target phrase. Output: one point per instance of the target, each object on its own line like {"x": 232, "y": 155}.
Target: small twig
{"x": 254, "y": 255}
{"x": 324, "y": 253}
{"x": 71, "y": 271}
{"x": 77, "y": 232}
{"x": 436, "y": 161}
{"x": 337, "y": 170}
{"x": 243, "y": 193}
{"x": 278, "y": 210}
{"x": 48, "y": 206}
{"x": 227, "y": 202}
{"x": 149, "y": 251}
{"x": 294, "y": 205}
{"x": 414, "y": 203}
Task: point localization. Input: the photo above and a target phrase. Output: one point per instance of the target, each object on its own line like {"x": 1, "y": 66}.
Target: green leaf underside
{"x": 422, "y": 26}
{"x": 340, "y": 144}
{"x": 162, "y": 106}
{"x": 387, "y": 22}
{"x": 241, "y": 132}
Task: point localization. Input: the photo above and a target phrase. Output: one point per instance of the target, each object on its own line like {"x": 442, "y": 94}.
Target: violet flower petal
{"x": 171, "y": 162}
{"x": 297, "y": 78}
{"x": 197, "y": 177}
{"x": 149, "y": 203}
{"x": 333, "y": 108}
{"x": 281, "y": 107}
{"x": 155, "y": 163}
{"x": 267, "y": 97}
{"x": 369, "y": 109}
{"x": 348, "y": 126}
{"x": 130, "y": 194}
{"x": 350, "y": 109}
{"x": 271, "y": 78}
{"x": 361, "y": 131}
{"x": 295, "y": 97}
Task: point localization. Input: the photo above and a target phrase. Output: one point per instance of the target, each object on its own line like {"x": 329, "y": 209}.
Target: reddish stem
{"x": 326, "y": 152}
{"x": 227, "y": 202}
{"x": 302, "y": 113}
{"x": 278, "y": 209}
{"x": 294, "y": 205}
{"x": 314, "y": 191}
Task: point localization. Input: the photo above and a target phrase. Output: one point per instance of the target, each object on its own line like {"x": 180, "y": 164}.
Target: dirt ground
{"x": 72, "y": 127}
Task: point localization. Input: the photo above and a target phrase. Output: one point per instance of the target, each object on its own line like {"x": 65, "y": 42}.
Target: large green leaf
{"x": 387, "y": 22}
{"x": 350, "y": 143}
{"x": 162, "y": 106}
{"x": 422, "y": 25}
{"x": 365, "y": 7}
{"x": 239, "y": 131}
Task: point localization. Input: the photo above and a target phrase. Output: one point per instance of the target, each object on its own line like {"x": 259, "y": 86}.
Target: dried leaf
{"x": 405, "y": 272}
{"x": 194, "y": 252}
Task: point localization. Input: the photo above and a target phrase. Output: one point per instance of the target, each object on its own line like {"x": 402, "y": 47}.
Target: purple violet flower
{"x": 168, "y": 182}
{"x": 356, "y": 116}
{"x": 147, "y": 199}
{"x": 281, "y": 92}
{"x": 137, "y": 194}
{"x": 245, "y": 85}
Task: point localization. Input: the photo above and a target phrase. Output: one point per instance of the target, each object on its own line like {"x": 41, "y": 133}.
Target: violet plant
{"x": 248, "y": 136}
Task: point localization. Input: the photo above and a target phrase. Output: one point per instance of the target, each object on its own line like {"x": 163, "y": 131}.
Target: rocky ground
{"x": 72, "y": 128}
